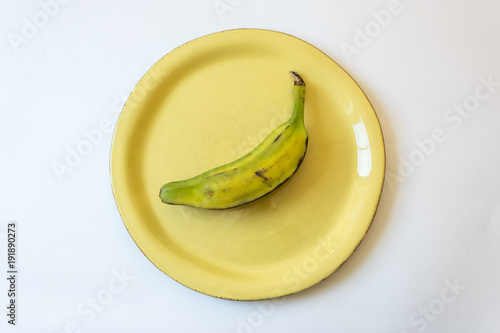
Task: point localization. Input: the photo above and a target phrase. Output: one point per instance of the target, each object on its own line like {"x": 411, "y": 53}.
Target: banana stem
{"x": 299, "y": 92}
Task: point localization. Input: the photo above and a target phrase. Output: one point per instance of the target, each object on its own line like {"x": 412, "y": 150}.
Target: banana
{"x": 253, "y": 175}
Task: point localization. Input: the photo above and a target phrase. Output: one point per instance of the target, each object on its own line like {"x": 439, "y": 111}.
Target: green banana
{"x": 252, "y": 176}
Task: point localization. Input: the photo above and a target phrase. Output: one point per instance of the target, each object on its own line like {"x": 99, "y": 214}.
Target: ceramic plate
{"x": 209, "y": 102}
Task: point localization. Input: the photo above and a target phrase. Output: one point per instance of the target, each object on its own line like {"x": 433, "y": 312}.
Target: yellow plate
{"x": 207, "y": 103}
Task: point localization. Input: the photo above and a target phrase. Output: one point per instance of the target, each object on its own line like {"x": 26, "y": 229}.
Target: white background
{"x": 430, "y": 262}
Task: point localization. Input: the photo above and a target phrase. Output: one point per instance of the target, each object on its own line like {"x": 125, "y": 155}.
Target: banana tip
{"x": 297, "y": 80}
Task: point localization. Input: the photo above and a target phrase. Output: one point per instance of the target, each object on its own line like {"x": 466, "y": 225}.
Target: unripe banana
{"x": 252, "y": 176}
